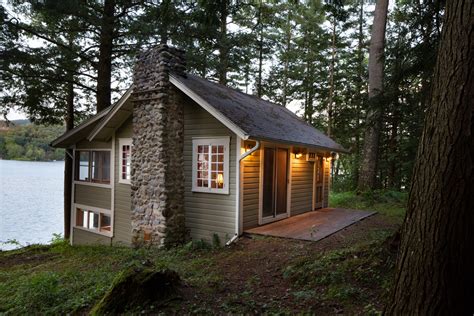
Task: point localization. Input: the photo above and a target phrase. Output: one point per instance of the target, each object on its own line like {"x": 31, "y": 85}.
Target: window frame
{"x": 98, "y": 211}
{"x": 77, "y": 152}
{"x": 124, "y": 142}
{"x": 211, "y": 141}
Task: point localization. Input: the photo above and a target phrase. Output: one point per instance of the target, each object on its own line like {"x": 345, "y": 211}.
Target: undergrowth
{"x": 346, "y": 276}
{"x": 389, "y": 203}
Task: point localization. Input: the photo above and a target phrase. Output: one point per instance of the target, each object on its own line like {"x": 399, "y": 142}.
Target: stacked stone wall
{"x": 157, "y": 179}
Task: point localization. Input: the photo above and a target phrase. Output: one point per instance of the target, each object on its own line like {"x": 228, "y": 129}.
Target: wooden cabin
{"x": 245, "y": 162}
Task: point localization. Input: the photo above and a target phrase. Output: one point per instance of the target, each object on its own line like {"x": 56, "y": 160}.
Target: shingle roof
{"x": 257, "y": 118}
{"x": 247, "y": 115}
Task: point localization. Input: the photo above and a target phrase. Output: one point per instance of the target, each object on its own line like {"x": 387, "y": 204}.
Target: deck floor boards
{"x": 312, "y": 226}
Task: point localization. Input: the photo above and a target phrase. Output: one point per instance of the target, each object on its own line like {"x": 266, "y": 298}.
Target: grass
{"x": 260, "y": 275}
{"x": 388, "y": 203}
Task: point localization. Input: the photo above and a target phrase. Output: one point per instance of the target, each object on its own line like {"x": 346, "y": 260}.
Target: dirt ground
{"x": 255, "y": 266}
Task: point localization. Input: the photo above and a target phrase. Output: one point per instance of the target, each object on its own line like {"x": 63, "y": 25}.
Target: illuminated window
{"x": 211, "y": 165}
{"x": 93, "y": 219}
{"x": 93, "y": 166}
{"x": 125, "y": 159}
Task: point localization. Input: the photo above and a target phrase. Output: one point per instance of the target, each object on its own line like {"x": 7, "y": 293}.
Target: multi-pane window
{"x": 125, "y": 156}
{"x": 210, "y": 165}
{"x": 93, "y": 166}
{"x": 93, "y": 219}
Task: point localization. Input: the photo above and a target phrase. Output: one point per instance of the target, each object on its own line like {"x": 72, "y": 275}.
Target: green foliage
{"x": 390, "y": 203}
{"x": 344, "y": 275}
{"x": 30, "y": 142}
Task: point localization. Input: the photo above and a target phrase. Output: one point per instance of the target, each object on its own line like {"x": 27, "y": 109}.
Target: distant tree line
{"x": 30, "y": 142}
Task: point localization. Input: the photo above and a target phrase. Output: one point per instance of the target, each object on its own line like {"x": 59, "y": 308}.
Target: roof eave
{"x": 275, "y": 140}
{"x": 72, "y": 132}
{"x": 117, "y": 106}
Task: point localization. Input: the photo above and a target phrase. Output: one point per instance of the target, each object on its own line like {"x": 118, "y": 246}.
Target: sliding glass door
{"x": 275, "y": 182}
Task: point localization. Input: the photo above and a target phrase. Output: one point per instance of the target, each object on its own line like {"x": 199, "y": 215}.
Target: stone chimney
{"x": 157, "y": 178}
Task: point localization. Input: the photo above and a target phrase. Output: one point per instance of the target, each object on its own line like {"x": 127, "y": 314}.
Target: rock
{"x": 138, "y": 287}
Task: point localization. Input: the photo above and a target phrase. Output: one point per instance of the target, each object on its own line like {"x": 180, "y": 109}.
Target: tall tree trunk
{"x": 331, "y": 78}
{"x": 360, "y": 101}
{"x": 104, "y": 65}
{"x": 223, "y": 44}
{"x": 368, "y": 169}
{"x": 68, "y": 163}
{"x": 286, "y": 58}
{"x": 164, "y": 20}
{"x": 260, "y": 53}
{"x": 435, "y": 272}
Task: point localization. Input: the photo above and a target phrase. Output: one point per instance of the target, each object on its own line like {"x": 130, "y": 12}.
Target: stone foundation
{"x": 157, "y": 179}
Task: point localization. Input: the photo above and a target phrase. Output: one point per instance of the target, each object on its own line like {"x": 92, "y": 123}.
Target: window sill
{"x": 223, "y": 192}
{"x": 92, "y": 184}
{"x": 124, "y": 182}
{"x": 110, "y": 235}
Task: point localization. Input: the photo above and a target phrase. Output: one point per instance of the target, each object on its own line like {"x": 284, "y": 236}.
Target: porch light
{"x": 220, "y": 179}
{"x": 298, "y": 155}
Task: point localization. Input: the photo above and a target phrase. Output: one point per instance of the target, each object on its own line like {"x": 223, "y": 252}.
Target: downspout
{"x": 237, "y": 208}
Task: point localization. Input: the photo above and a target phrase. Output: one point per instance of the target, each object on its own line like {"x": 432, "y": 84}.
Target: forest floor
{"x": 349, "y": 272}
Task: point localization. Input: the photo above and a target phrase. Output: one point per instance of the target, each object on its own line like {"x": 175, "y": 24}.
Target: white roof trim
{"x": 114, "y": 110}
{"x": 209, "y": 108}
{"x": 79, "y": 127}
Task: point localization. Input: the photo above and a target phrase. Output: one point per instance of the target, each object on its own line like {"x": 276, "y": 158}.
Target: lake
{"x": 31, "y": 201}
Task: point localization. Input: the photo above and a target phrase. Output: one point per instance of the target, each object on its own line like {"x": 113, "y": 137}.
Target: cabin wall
{"x": 302, "y": 172}
{"x": 90, "y": 195}
{"x": 123, "y": 194}
{"x": 250, "y": 188}
{"x": 207, "y": 213}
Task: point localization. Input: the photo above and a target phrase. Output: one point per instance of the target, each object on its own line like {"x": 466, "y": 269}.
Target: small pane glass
{"x": 105, "y": 223}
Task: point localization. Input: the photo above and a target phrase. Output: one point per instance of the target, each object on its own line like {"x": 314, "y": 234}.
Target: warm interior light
{"x": 298, "y": 155}
{"x": 220, "y": 178}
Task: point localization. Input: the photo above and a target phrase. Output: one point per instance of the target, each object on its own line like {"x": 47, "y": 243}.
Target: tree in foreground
{"x": 435, "y": 272}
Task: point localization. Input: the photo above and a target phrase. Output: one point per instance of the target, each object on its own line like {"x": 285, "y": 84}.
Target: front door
{"x": 275, "y": 183}
{"x": 318, "y": 182}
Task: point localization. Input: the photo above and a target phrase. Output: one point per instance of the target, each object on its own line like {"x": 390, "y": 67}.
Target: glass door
{"x": 275, "y": 183}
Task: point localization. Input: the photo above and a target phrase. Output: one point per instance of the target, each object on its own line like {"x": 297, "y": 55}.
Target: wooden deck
{"x": 314, "y": 225}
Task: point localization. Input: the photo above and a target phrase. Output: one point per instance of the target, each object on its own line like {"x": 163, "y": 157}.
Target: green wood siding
{"x": 83, "y": 237}
{"x": 301, "y": 186}
{"x": 250, "y": 189}
{"x": 207, "y": 213}
{"x": 327, "y": 177}
{"x": 92, "y": 196}
{"x": 122, "y": 196}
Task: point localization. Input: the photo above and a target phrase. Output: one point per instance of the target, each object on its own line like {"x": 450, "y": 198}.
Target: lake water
{"x": 31, "y": 201}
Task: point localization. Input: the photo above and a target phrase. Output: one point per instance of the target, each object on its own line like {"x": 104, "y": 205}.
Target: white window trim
{"x": 89, "y": 183}
{"x": 225, "y": 141}
{"x": 122, "y": 142}
{"x": 96, "y": 210}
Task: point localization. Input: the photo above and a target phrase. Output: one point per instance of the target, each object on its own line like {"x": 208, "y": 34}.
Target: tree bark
{"x": 331, "y": 78}
{"x": 68, "y": 163}
{"x": 360, "y": 101}
{"x": 223, "y": 45}
{"x": 435, "y": 263}
{"x": 104, "y": 65}
{"x": 368, "y": 169}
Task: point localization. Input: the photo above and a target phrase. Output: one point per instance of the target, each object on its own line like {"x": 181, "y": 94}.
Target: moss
{"x": 137, "y": 287}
